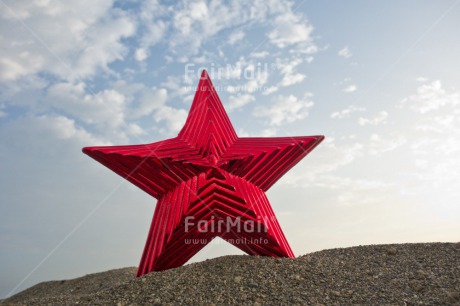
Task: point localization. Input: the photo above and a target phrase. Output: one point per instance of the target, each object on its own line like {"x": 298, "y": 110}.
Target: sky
{"x": 380, "y": 79}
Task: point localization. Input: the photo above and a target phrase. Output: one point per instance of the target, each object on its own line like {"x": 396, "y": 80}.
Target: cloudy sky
{"x": 380, "y": 79}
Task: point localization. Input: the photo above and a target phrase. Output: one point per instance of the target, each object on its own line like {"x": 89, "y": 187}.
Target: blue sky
{"x": 380, "y": 79}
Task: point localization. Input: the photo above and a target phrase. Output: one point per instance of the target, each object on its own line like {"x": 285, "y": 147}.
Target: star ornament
{"x": 209, "y": 183}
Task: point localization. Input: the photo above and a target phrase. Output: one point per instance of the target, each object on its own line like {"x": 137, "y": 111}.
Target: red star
{"x": 209, "y": 183}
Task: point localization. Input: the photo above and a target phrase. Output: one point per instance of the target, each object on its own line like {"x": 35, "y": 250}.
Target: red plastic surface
{"x": 209, "y": 183}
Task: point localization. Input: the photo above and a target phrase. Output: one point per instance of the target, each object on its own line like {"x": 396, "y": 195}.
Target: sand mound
{"x": 400, "y": 274}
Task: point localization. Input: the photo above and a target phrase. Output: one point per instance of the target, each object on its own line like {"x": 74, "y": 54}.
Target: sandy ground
{"x": 399, "y": 274}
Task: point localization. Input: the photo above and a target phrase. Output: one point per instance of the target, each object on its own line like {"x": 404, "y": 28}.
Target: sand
{"x": 399, "y": 274}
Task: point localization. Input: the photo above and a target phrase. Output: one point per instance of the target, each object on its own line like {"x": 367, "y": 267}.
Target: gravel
{"x": 398, "y": 274}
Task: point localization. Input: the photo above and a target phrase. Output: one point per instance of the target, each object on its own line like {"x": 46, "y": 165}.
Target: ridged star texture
{"x": 209, "y": 183}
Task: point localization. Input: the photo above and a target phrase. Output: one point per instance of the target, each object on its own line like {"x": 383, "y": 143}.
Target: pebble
{"x": 398, "y": 274}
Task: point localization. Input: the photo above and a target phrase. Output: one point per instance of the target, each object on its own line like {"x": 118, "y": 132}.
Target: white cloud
{"x": 287, "y": 69}
{"x": 154, "y": 32}
{"x": 291, "y": 79}
{"x": 149, "y": 101}
{"x": 434, "y": 144}
{"x": 110, "y": 111}
{"x": 242, "y": 132}
{"x": 327, "y": 170}
{"x": 345, "y": 52}
{"x": 64, "y": 128}
{"x": 261, "y": 54}
{"x": 198, "y": 10}
{"x": 194, "y": 23}
{"x": 363, "y": 193}
{"x": 257, "y": 80}
{"x": 105, "y": 108}
{"x": 235, "y": 37}
{"x": 421, "y": 79}
{"x": 235, "y": 71}
{"x": 290, "y": 29}
{"x": 176, "y": 85}
{"x": 141, "y": 54}
{"x": 431, "y": 97}
{"x": 200, "y": 59}
{"x": 85, "y": 41}
{"x": 240, "y": 100}
{"x": 104, "y": 46}
{"x": 154, "y": 25}
{"x": 173, "y": 117}
{"x": 379, "y": 118}
{"x": 285, "y": 109}
{"x": 270, "y": 90}
{"x": 379, "y": 145}
{"x": 231, "y": 89}
{"x": 24, "y": 64}
{"x": 268, "y": 132}
{"x": 48, "y": 127}
{"x": 346, "y": 112}
{"x": 350, "y": 88}
{"x": 135, "y": 129}
{"x": 439, "y": 124}
{"x": 145, "y": 101}
{"x": 329, "y": 158}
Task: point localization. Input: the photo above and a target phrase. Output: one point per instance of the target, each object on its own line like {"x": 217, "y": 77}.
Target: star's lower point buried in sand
{"x": 209, "y": 183}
